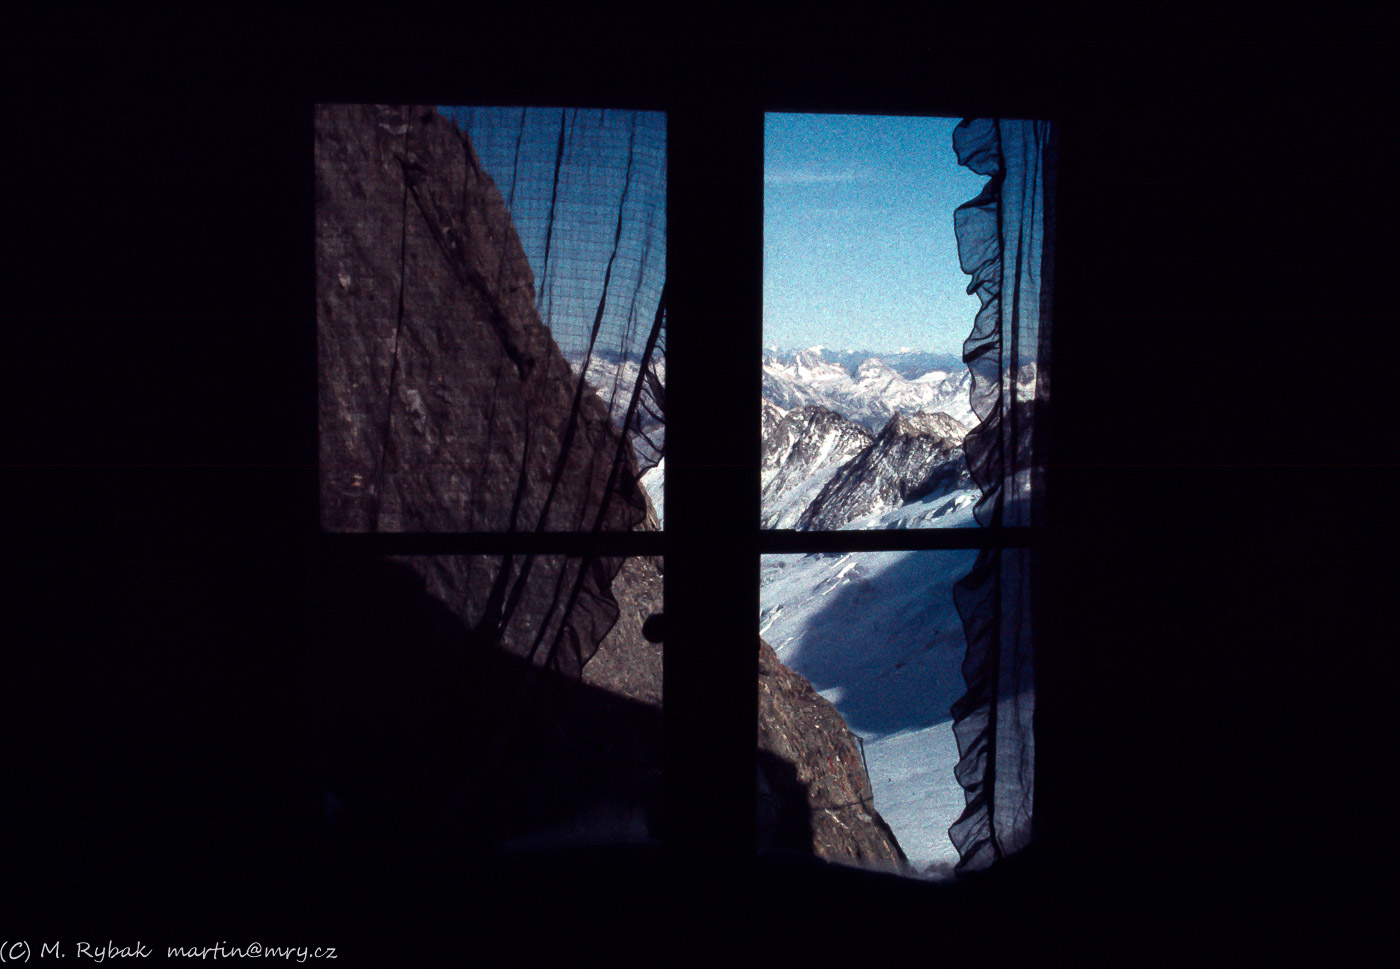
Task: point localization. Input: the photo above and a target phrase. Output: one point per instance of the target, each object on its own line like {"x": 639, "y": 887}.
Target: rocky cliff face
{"x": 801, "y": 728}
{"x": 911, "y": 458}
{"x": 445, "y": 403}
{"x": 770, "y": 415}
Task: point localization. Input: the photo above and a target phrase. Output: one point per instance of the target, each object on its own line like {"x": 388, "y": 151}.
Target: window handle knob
{"x": 654, "y": 628}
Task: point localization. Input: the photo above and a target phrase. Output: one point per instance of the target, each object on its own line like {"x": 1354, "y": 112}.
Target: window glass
{"x": 865, "y": 309}
{"x": 490, "y": 317}
{"x": 906, "y": 295}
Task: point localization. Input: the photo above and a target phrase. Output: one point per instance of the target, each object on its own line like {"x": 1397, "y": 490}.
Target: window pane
{"x": 472, "y": 704}
{"x": 865, "y": 394}
{"x": 879, "y": 638}
{"x": 490, "y": 317}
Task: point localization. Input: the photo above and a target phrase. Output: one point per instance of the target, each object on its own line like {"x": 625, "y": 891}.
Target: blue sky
{"x": 858, "y": 247}
{"x": 518, "y": 147}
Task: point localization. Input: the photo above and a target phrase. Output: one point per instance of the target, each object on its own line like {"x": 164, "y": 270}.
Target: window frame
{"x": 712, "y": 540}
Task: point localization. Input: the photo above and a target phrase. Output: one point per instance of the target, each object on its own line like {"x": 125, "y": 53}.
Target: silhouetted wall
{"x": 1216, "y": 655}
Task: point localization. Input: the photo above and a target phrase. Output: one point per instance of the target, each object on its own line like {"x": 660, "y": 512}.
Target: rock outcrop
{"x": 446, "y": 405}
{"x": 799, "y": 727}
{"x": 911, "y": 458}
{"x": 770, "y": 415}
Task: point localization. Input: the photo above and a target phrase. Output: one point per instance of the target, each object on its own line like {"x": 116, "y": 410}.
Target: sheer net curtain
{"x": 586, "y": 191}
{"x": 1005, "y": 242}
{"x": 490, "y": 286}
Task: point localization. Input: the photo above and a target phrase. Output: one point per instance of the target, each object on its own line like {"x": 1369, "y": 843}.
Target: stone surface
{"x": 626, "y": 664}
{"x": 445, "y": 403}
{"x": 800, "y": 729}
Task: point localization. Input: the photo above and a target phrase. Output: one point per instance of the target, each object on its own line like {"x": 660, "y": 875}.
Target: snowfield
{"x": 878, "y": 635}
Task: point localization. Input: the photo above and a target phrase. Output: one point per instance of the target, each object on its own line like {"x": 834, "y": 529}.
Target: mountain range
{"x": 904, "y": 361}
{"x": 869, "y": 392}
{"x": 846, "y": 447}
{"x": 821, "y": 410}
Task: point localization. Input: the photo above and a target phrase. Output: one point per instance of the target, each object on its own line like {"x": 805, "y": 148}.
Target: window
{"x": 867, "y": 408}
{"x": 524, "y": 519}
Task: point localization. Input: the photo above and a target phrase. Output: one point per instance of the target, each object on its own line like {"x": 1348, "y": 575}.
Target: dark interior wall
{"x": 1219, "y": 435}
{"x": 1216, "y": 658}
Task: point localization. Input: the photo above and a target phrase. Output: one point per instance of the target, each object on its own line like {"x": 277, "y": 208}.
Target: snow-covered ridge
{"x": 869, "y": 393}
{"x": 912, "y": 458}
{"x": 802, "y": 450}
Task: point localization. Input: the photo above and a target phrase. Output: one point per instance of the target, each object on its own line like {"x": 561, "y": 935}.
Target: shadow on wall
{"x": 434, "y": 748}
{"x": 169, "y": 758}
{"x": 784, "y": 812}
{"x": 430, "y": 741}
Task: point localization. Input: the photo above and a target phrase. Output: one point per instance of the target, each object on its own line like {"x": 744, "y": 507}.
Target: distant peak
{"x": 919, "y": 424}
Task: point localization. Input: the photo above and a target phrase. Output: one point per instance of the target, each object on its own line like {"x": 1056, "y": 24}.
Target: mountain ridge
{"x": 912, "y": 458}
{"x": 868, "y": 392}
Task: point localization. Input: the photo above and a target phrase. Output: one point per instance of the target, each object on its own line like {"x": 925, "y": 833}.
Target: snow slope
{"x": 878, "y": 635}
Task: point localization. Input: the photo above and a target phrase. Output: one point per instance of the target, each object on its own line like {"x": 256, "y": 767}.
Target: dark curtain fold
{"x": 1005, "y": 244}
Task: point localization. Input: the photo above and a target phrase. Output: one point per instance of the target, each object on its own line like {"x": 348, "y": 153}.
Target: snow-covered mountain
{"x": 816, "y": 478}
{"x": 870, "y": 393}
{"x": 771, "y": 414}
{"x": 865, "y": 441}
{"x": 905, "y": 361}
{"x": 802, "y": 449}
{"x": 913, "y": 457}
{"x": 614, "y": 377}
